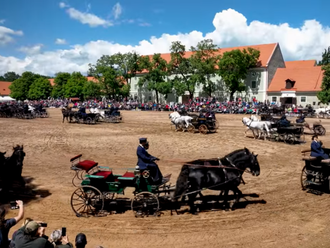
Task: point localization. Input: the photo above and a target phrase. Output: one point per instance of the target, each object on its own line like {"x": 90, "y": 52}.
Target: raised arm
{"x": 21, "y": 211}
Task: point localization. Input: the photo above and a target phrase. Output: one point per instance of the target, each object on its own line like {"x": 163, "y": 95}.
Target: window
{"x": 314, "y": 103}
{"x": 254, "y": 84}
{"x": 274, "y": 99}
{"x": 149, "y": 98}
{"x": 303, "y": 99}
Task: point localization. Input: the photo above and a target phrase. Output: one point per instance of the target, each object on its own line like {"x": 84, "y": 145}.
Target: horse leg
{"x": 224, "y": 193}
{"x": 191, "y": 202}
{"x": 238, "y": 195}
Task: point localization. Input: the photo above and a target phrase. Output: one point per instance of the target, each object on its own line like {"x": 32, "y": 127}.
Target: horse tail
{"x": 182, "y": 182}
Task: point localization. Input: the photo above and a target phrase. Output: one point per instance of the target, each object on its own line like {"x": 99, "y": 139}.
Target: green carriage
{"x": 100, "y": 191}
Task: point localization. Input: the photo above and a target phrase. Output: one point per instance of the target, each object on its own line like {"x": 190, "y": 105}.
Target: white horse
{"x": 258, "y": 126}
{"x": 97, "y": 111}
{"x": 177, "y": 119}
{"x": 323, "y": 110}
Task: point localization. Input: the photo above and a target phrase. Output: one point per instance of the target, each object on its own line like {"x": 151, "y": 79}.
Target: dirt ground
{"x": 289, "y": 218}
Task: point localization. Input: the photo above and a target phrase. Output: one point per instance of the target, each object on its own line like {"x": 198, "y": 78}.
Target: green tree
{"x": 20, "y": 87}
{"x": 9, "y": 76}
{"x": 182, "y": 70}
{"x": 234, "y": 66}
{"x": 40, "y": 89}
{"x": 75, "y": 85}
{"x": 204, "y": 60}
{"x": 324, "y": 94}
{"x": 60, "y": 81}
{"x": 155, "y": 78}
{"x": 325, "y": 57}
{"x": 91, "y": 90}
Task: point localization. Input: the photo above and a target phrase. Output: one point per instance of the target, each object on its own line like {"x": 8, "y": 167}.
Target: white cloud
{"x": 63, "y": 5}
{"x": 31, "y": 50}
{"x": 87, "y": 18}
{"x": 6, "y": 35}
{"x": 116, "y": 10}
{"x": 230, "y": 29}
{"x": 60, "y": 41}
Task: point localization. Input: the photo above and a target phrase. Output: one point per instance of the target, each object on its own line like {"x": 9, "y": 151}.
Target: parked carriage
{"x": 315, "y": 175}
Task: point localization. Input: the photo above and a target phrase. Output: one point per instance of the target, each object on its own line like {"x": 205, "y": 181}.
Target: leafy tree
{"x": 9, "y": 76}
{"x": 60, "y": 81}
{"x": 182, "y": 69}
{"x": 155, "y": 79}
{"x": 75, "y": 85}
{"x": 325, "y": 57}
{"x": 20, "y": 87}
{"x": 204, "y": 60}
{"x": 233, "y": 68}
{"x": 91, "y": 90}
{"x": 324, "y": 95}
{"x": 40, "y": 89}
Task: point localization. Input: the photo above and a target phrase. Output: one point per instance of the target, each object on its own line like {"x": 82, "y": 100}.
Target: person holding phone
{"x": 60, "y": 239}
{"x": 6, "y": 224}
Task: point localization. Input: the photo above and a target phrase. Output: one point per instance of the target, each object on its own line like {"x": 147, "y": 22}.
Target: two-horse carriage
{"x": 112, "y": 116}
{"x": 315, "y": 175}
{"x": 79, "y": 116}
{"x": 100, "y": 188}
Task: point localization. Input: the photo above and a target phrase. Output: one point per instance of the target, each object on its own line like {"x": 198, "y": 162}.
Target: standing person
{"x": 147, "y": 162}
{"x": 81, "y": 240}
{"x": 6, "y": 224}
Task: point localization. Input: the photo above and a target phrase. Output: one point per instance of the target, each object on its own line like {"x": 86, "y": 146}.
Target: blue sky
{"x": 44, "y": 21}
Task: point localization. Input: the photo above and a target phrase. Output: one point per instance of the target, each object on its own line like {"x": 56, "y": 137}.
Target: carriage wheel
{"x": 203, "y": 129}
{"x": 191, "y": 128}
{"x": 319, "y": 130}
{"x": 89, "y": 120}
{"x": 86, "y": 201}
{"x": 145, "y": 204}
{"x": 289, "y": 138}
{"x": 303, "y": 179}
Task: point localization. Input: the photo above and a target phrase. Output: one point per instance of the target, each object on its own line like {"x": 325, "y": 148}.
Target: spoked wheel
{"x": 87, "y": 201}
{"x": 89, "y": 120}
{"x": 145, "y": 204}
{"x": 319, "y": 130}
{"x": 289, "y": 138}
{"x": 191, "y": 128}
{"x": 321, "y": 115}
{"x": 303, "y": 179}
{"x": 203, "y": 129}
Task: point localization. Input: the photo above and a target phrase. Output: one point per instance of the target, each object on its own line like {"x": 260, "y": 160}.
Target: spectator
{"x": 32, "y": 235}
{"x": 81, "y": 240}
{"x": 12, "y": 242}
{"x": 5, "y": 225}
{"x": 60, "y": 241}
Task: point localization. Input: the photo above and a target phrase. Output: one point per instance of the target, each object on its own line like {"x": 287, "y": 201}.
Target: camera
{"x": 43, "y": 224}
{"x": 13, "y": 205}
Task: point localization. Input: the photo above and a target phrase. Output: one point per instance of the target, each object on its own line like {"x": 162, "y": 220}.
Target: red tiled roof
{"x": 4, "y": 88}
{"x": 300, "y": 64}
{"x": 51, "y": 80}
{"x": 306, "y": 79}
{"x": 266, "y": 52}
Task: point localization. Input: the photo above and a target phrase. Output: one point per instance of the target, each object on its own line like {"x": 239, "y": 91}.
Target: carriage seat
{"x": 307, "y": 157}
{"x": 85, "y": 165}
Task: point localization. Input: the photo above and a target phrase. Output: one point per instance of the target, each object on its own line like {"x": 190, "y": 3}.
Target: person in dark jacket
{"x": 147, "y": 162}
{"x": 284, "y": 122}
{"x": 316, "y": 148}
{"x": 81, "y": 240}
{"x": 60, "y": 241}
{"x": 301, "y": 119}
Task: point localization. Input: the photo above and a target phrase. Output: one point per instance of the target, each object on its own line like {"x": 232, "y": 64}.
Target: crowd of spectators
{"x": 32, "y": 233}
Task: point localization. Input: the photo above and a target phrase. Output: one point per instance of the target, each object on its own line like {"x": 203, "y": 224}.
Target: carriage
{"x": 203, "y": 123}
{"x": 85, "y": 118}
{"x": 112, "y": 116}
{"x": 98, "y": 187}
{"x": 315, "y": 175}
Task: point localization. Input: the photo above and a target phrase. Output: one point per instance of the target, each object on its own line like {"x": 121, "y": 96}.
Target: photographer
{"x": 60, "y": 241}
{"x": 32, "y": 235}
{"x": 5, "y": 225}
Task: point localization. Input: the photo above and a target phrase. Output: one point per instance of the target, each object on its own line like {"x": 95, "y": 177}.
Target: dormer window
{"x": 289, "y": 83}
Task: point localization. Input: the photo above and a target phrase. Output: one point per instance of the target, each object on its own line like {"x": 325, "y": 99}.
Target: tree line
{"x": 186, "y": 69}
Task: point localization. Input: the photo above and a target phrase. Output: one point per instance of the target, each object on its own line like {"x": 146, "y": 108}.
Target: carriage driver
{"x": 316, "y": 148}
{"x": 147, "y": 162}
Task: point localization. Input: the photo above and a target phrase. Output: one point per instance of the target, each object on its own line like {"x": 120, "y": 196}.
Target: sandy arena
{"x": 289, "y": 218}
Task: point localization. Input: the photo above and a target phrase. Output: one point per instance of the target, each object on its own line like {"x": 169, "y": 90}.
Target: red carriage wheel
{"x": 203, "y": 129}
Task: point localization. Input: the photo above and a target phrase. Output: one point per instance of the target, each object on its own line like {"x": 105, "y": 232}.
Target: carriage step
{"x": 314, "y": 183}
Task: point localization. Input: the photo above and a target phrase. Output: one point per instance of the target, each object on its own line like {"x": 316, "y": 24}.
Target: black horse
{"x": 12, "y": 168}
{"x": 67, "y": 114}
{"x": 216, "y": 174}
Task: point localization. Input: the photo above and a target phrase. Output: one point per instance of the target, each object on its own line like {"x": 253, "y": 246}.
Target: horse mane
{"x": 17, "y": 147}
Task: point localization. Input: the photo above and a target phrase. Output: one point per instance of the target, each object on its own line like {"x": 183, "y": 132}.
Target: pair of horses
{"x": 254, "y": 124}
{"x": 220, "y": 174}
{"x": 180, "y": 120}
{"x": 11, "y": 168}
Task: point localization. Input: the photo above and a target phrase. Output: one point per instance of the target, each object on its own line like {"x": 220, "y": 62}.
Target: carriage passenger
{"x": 147, "y": 162}
{"x": 316, "y": 148}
